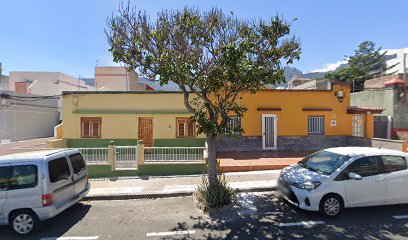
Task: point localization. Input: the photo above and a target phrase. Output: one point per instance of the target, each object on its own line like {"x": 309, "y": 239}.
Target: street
{"x": 256, "y": 216}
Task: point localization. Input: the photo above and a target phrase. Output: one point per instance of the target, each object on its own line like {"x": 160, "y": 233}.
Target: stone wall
{"x": 305, "y": 143}
{"x": 285, "y": 143}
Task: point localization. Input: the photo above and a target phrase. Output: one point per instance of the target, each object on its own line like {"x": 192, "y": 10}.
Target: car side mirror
{"x": 354, "y": 176}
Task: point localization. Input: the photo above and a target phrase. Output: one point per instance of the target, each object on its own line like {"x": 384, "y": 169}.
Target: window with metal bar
{"x": 233, "y": 123}
{"x": 358, "y": 126}
{"x": 315, "y": 125}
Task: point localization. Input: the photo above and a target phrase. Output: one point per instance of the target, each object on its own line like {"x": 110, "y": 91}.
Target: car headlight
{"x": 309, "y": 186}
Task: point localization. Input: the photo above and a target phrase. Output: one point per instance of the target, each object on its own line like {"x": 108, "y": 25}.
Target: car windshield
{"x": 323, "y": 162}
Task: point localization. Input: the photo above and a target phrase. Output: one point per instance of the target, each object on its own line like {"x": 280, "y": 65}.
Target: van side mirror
{"x": 354, "y": 176}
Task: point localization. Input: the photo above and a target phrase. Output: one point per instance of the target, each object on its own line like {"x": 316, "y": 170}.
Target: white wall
{"x": 21, "y": 120}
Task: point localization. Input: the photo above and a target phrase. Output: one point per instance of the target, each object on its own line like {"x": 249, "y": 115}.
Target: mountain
{"x": 393, "y": 56}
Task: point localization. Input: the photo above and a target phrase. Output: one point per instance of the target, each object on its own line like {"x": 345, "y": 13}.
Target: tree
{"x": 213, "y": 57}
{"x": 366, "y": 63}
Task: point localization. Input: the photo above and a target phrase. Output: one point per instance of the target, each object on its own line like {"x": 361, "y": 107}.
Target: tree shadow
{"x": 258, "y": 217}
{"x": 54, "y": 227}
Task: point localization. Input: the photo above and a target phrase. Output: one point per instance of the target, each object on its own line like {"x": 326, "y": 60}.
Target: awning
{"x": 363, "y": 110}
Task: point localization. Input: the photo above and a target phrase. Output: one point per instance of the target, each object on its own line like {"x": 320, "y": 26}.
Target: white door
{"x": 269, "y": 131}
{"x": 60, "y": 180}
{"x": 4, "y": 178}
{"x": 368, "y": 191}
{"x": 80, "y": 173}
{"x": 396, "y": 179}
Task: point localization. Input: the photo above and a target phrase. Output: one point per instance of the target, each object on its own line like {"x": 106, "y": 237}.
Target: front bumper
{"x": 307, "y": 200}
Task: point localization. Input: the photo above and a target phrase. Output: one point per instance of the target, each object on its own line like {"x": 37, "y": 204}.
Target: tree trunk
{"x": 212, "y": 157}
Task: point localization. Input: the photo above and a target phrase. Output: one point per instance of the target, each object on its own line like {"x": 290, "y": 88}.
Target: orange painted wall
{"x": 292, "y": 120}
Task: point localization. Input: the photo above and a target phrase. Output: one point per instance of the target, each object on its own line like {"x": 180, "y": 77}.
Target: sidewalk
{"x": 172, "y": 186}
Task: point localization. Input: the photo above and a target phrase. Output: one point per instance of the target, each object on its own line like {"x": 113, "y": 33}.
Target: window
{"x": 4, "y": 178}
{"x": 58, "y": 169}
{"x": 366, "y": 166}
{"x": 91, "y": 127}
{"x": 78, "y": 163}
{"x": 23, "y": 176}
{"x": 315, "y": 125}
{"x": 185, "y": 128}
{"x": 394, "y": 163}
{"x": 324, "y": 162}
{"x": 233, "y": 123}
{"x": 358, "y": 125}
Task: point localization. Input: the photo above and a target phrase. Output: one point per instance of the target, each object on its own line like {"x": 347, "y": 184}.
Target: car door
{"x": 368, "y": 191}
{"x": 60, "y": 180}
{"x": 396, "y": 179}
{"x": 4, "y": 178}
{"x": 80, "y": 172}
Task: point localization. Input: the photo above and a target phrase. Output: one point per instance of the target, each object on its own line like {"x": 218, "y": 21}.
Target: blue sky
{"x": 68, "y": 35}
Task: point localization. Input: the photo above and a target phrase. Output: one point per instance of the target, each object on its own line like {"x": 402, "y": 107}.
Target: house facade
{"x": 274, "y": 120}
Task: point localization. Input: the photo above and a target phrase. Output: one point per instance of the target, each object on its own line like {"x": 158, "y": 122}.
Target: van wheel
{"x": 24, "y": 222}
{"x": 331, "y": 206}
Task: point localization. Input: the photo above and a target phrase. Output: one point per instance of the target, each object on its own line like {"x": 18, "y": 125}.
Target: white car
{"x": 37, "y": 186}
{"x": 344, "y": 177}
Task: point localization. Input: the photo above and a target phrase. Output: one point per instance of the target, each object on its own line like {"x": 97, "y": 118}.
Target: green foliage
{"x": 215, "y": 195}
{"x": 366, "y": 63}
{"x": 213, "y": 57}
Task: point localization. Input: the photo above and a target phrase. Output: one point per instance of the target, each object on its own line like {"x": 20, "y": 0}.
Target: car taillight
{"x": 46, "y": 200}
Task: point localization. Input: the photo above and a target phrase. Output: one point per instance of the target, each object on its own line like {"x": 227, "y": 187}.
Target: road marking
{"x": 163, "y": 234}
{"x": 400, "y": 216}
{"x": 179, "y": 188}
{"x": 71, "y": 238}
{"x": 303, "y": 223}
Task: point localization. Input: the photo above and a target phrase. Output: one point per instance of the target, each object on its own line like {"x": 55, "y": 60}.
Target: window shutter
{"x": 85, "y": 128}
{"x": 95, "y": 129}
{"x": 180, "y": 128}
{"x": 191, "y": 128}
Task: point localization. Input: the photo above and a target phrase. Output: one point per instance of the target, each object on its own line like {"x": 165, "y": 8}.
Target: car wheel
{"x": 24, "y": 222}
{"x": 331, "y": 206}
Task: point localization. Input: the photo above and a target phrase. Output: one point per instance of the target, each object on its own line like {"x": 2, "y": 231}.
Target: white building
{"x": 26, "y": 116}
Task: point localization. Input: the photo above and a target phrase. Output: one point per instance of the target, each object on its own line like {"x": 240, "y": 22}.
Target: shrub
{"x": 215, "y": 195}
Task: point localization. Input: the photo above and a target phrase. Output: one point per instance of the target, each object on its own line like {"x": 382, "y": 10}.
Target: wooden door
{"x": 146, "y": 131}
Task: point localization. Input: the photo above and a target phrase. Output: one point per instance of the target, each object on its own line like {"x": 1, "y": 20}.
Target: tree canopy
{"x": 212, "y": 56}
{"x": 366, "y": 63}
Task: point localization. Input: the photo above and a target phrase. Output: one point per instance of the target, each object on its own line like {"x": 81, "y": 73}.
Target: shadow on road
{"x": 258, "y": 217}
{"x": 54, "y": 227}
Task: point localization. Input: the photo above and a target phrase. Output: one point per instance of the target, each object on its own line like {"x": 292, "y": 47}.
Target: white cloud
{"x": 330, "y": 66}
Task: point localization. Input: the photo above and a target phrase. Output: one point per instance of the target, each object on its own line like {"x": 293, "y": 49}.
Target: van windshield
{"x": 323, "y": 162}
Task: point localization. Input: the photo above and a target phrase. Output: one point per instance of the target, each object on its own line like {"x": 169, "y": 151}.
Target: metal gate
{"x": 381, "y": 124}
{"x": 269, "y": 131}
{"x": 126, "y": 157}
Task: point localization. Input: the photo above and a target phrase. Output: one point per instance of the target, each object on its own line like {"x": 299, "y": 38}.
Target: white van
{"x": 36, "y": 186}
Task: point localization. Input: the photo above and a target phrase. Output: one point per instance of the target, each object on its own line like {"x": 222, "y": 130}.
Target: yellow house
{"x": 274, "y": 120}
{"x": 300, "y": 120}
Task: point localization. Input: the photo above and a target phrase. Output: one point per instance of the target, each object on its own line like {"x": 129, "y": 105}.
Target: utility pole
{"x": 1, "y": 69}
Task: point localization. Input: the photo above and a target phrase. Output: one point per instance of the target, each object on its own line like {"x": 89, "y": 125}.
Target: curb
{"x": 165, "y": 195}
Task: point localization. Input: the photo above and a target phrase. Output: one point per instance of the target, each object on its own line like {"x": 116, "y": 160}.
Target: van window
{"x": 58, "y": 169}
{"x": 78, "y": 163}
{"x": 4, "y": 178}
{"x": 23, "y": 176}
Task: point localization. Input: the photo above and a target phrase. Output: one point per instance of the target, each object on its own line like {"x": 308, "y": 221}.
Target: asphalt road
{"x": 256, "y": 216}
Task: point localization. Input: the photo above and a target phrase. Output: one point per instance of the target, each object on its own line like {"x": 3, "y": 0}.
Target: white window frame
{"x": 315, "y": 125}
{"x": 233, "y": 121}
{"x": 358, "y": 125}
